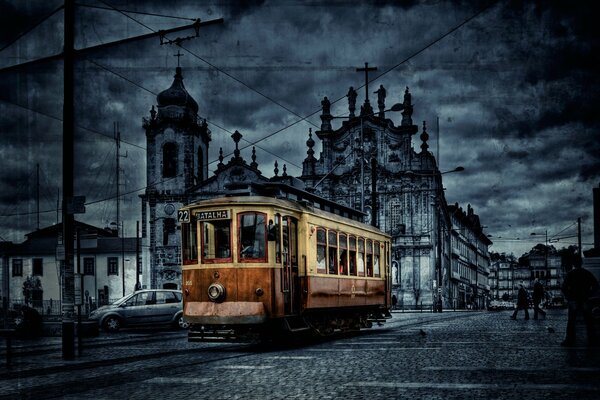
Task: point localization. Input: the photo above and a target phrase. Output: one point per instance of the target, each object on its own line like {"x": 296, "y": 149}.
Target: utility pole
{"x": 68, "y": 281}
{"x": 70, "y": 204}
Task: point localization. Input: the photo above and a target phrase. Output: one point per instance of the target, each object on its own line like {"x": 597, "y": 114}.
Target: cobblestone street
{"x": 415, "y": 355}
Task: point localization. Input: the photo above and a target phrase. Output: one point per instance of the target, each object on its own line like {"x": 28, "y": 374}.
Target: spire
{"x": 284, "y": 170}
{"x": 424, "y": 137}
{"x": 308, "y": 165}
{"x": 276, "y": 170}
{"x": 220, "y": 158}
{"x": 254, "y": 164}
{"x": 236, "y": 138}
{"x": 176, "y": 95}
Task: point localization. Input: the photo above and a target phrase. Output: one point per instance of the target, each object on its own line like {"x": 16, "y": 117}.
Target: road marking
{"x": 510, "y": 369}
{"x": 463, "y": 386}
{"x": 176, "y": 380}
{"x": 291, "y": 358}
{"x": 377, "y": 349}
{"x": 245, "y": 367}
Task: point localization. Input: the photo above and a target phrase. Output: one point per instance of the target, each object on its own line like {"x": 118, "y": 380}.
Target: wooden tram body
{"x": 254, "y": 265}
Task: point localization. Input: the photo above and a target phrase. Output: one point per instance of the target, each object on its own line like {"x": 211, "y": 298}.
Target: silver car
{"x": 144, "y": 307}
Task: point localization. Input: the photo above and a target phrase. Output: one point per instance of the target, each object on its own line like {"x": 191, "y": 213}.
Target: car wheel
{"x": 112, "y": 324}
{"x": 183, "y": 324}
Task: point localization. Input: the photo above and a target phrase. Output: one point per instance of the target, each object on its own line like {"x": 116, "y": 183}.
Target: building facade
{"x": 470, "y": 266}
{"x": 32, "y": 270}
{"x": 368, "y": 163}
{"x": 176, "y": 160}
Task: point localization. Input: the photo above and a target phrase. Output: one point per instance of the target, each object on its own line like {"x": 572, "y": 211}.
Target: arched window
{"x": 169, "y": 167}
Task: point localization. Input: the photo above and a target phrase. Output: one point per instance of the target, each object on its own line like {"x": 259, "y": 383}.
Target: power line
{"x": 31, "y": 28}
{"x": 222, "y": 71}
{"x": 60, "y": 120}
{"x": 392, "y": 68}
{"x": 135, "y": 12}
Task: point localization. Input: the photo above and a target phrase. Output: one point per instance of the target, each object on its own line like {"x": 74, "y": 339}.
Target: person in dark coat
{"x": 538, "y": 296}
{"x": 579, "y": 285}
{"x": 522, "y": 302}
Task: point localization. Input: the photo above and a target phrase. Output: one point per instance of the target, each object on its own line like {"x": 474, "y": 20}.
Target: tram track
{"x": 144, "y": 366}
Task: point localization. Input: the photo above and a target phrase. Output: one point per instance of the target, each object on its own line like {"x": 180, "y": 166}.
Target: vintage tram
{"x": 257, "y": 265}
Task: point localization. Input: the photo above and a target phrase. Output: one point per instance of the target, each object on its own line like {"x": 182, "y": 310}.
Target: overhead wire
{"x": 249, "y": 87}
{"x": 38, "y": 23}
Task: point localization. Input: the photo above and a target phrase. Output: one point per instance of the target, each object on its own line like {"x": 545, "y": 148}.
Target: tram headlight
{"x": 216, "y": 292}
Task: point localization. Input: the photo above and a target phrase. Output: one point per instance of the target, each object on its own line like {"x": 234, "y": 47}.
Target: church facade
{"x": 367, "y": 163}
{"x": 370, "y": 164}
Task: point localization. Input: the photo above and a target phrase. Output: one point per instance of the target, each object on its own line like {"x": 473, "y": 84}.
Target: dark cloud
{"x": 515, "y": 91}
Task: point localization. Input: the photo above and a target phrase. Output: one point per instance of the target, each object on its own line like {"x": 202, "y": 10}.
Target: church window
{"x": 168, "y": 229}
{"x": 169, "y": 160}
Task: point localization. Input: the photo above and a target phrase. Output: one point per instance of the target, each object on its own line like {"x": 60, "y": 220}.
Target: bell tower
{"x": 176, "y": 160}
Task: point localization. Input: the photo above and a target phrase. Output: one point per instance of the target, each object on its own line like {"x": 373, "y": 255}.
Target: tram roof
{"x": 304, "y": 201}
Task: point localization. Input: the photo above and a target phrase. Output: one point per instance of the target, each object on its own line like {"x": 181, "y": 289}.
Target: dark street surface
{"x": 449, "y": 355}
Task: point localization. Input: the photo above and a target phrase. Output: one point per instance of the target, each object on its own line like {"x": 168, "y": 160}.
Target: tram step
{"x": 295, "y": 324}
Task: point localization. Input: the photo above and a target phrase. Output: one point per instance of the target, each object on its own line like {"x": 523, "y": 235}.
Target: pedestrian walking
{"x": 579, "y": 285}
{"x": 538, "y": 295}
{"x": 522, "y": 302}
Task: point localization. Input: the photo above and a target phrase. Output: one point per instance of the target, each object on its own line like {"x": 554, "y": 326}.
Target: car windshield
{"x": 121, "y": 300}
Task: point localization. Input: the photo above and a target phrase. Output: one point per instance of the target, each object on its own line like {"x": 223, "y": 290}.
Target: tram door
{"x": 291, "y": 282}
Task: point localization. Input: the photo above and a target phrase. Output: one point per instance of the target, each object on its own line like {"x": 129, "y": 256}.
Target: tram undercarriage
{"x": 319, "y": 322}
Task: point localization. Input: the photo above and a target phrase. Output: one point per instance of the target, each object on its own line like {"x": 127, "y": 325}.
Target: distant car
{"x": 142, "y": 308}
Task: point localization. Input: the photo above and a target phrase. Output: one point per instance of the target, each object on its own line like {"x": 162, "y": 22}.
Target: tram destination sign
{"x": 210, "y": 215}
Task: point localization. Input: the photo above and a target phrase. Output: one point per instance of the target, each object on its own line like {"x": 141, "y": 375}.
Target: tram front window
{"x": 216, "y": 240}
{"x": 252, "y": 236}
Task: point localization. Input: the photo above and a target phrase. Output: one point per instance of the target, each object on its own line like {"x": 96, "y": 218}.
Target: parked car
{"x": 142, "y": 308}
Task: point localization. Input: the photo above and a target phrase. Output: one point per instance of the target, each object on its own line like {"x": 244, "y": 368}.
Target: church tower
{"x": 176, "y": 160}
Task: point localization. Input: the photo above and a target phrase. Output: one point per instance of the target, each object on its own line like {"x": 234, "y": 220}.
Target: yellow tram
{"x": 254, "y": 265}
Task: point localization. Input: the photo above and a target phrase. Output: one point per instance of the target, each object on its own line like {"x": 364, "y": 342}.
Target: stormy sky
{"x": 514, "y": 86}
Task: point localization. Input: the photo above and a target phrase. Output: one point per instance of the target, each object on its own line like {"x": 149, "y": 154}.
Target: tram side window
{"x": 216, "y": 241}
{"x": 361, "y": 257}
{"x": 252, "y": 236}
{"x": 376, "y": 252}
{"x": 352, "y": 257}
{"x": 189, "y": 245}
{"x": 343, "y": 254}
{"x": 321, "y": 250}
{"x": 332, "y": 252}
{"x": 369, "y": 248}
